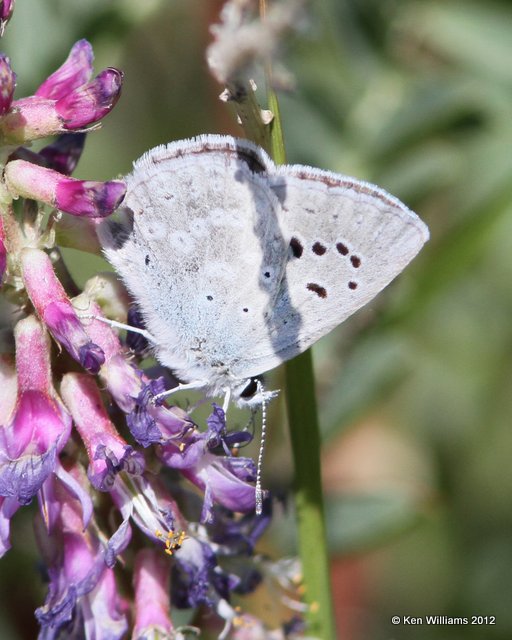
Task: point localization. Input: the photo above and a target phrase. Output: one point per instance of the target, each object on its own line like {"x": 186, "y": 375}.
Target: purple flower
{"x": 73, "y": 73}
{"x": 91, "y": 102}
{"x": 67, "y": 100}
{"x": 77, "y": 197}
{"x": 197, "y": 579}
{"x": 152, "y": 423}
{"x": 131, "y": 389}
{"x": 144, "y": 500}
{"x": 76, "y": 484}
{"x": 82, "y": 589}
{"x": 226, "y": 480}
{"x": 193, "y": 476}
{"x": 108, "y": 453}
{"x": 8, "y": 507}
{"x": 39, "y": 425}
{"x": 88, "y": 198}
{"x": 64, "y": 154}
{"x": 104, "y": 610}
{"x": 56, "y": 311}
{"x": 152, "y": 574}
{"x": 7, "y": 82}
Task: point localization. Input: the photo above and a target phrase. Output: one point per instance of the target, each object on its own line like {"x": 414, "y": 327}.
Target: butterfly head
{"x": 251, "y": 393}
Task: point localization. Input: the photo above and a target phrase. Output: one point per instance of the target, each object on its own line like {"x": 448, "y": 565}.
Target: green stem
{"x": 305, "y": 438}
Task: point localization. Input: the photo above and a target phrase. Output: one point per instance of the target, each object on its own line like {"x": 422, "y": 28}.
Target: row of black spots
{"x": 320, "y": 249}
{"x": 321, "y": 292}
{"x": 344, "y": 251}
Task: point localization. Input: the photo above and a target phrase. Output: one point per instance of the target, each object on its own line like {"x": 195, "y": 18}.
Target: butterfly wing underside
{"x": 238, "y": 265}
{"x": 199, "y": 245}
{"x": 347, "y": 241}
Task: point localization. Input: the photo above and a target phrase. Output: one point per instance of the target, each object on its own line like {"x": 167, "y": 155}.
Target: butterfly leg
{"x": 119, "y": 325}
{"x": 197, "y": 384}
{"x": 227, "y": 400}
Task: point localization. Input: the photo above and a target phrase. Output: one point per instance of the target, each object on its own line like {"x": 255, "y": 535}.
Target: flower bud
{"x": 7, "y": 83}
{"x": 77, "y": 197}
{"x": 92, "y": 101}
{"x": 56, "y": 311}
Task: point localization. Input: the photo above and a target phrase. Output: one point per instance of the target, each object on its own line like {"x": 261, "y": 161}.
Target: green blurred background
{"x": 415, "y": 390}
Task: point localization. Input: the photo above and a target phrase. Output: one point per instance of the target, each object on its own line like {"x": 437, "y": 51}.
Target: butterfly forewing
{"x": 347, "y": 240}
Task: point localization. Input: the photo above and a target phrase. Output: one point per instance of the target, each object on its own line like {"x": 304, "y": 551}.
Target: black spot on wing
{"x": 342, "y": 248}
{"x": 318, "y": 289}
{"x": 296, "y": 247}
{"x": 319, "y": 249}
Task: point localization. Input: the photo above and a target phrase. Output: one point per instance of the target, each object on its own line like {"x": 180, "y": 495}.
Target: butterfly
{"x": 238, "y": 265}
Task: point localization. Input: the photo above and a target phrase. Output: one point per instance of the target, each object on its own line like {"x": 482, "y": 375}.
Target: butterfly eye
{"x": 250, "y": 389}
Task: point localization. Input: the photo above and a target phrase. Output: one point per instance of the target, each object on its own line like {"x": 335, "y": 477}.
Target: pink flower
{"x": 56, "y": 311}
{"x": 81, "y": 586}
{"x": 152, "y": 575}
{"x": 108, "y": 452}
{"x": 77, "y": 197}
{"x": 67, "y": 100}
{"x": 39, "y": 425}
{"x": 72, "y": 74}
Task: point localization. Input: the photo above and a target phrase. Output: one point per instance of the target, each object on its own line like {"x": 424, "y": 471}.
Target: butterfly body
{"x": 238, "y": 265}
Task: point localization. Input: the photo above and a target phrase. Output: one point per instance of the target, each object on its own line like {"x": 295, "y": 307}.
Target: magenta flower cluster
{"x": 79, "y": 431}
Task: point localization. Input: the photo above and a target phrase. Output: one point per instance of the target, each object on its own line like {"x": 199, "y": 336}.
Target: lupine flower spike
{"x": 162, "y": 497}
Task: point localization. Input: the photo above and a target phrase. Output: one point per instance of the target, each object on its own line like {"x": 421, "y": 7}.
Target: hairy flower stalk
{"x": 163, "y": 499}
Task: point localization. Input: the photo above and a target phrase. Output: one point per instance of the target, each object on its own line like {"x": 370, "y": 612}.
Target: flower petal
{"x": 74, "y": 72}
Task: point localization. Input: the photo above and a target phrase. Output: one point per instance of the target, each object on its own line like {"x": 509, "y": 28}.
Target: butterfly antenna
{"x": 259, "y": 490}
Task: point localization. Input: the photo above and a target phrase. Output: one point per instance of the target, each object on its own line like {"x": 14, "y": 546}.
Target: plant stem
{"x": 305, "y": 438}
